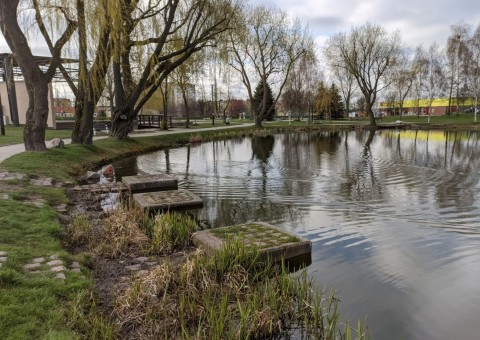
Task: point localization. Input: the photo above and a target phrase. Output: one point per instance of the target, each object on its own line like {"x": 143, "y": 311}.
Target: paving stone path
{"x": 51, "y": 264}
{"x": 3, "y": 257}
{"x": 141, "y": 264}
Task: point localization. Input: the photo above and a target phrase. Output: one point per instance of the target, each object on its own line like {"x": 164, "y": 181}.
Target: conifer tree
{"x": 258, "y": 98}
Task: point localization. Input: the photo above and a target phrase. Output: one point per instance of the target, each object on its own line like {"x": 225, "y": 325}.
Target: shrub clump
{"x": 171, "y": 231}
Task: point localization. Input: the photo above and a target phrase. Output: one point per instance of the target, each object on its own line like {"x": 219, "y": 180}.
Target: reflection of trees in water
{"x": 301, "y": 158}
{"x": 262, "y": 148}
{"x": 228, "y": 211}
{"x": 125, "y": 167}
{"x": 362, "y": 180}
{"x": 335, "y": 166}
{"x": 445, "y": 161}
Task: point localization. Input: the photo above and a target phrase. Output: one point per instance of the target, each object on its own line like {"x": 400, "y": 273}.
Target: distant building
{"x": 413, "y": 107}
{"x": 62, "y": 107}
{"x": 176, "y": 104}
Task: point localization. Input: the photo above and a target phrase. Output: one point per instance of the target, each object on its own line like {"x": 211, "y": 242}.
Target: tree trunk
{"x": 35, "y": 80}
{"x": 36, "y": 118}
{"x": 258, "y": 121}
{"x": 122, "y": 123}
{"x": 187, "y": 109}
{"x": 373, "y": 123}
{"x": 83, "y": 130}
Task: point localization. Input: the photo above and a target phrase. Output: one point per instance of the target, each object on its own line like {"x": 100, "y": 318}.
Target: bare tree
{"x": 298, "y": 96}
{"x": 36, "y": 80}
{"x": 432, "y": 73}
{"x": 161, "y": 43}
{"x": 473, "y": 74}
{"x": 265, "y": 45}
{"x": 368, "y": 52}
{"x": 184, "y": 77}
{"x": 457, "y": 58}
{"x": 404, "y": 73}
{"x": 347, "y": 84}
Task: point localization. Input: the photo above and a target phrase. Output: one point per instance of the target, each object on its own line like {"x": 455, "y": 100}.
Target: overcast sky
{"x": 419, "y": 21}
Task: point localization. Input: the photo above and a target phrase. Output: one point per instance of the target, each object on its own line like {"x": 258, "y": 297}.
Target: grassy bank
{"x": 230, "y": 295}
{"x": 36, "y": 304}
{"x": 33, "y": 303}
{"x": 14, "y": 135}
{"x": 73, "y": 160}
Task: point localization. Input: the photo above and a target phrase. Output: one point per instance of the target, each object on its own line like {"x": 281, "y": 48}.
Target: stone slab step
{"x": 181, "y": 199}
{"x": 98, "y": 188}
{"x": 149, "y": 183}
{"x": 271, "y": 241}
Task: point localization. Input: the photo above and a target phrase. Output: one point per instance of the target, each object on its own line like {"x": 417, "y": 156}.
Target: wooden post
{"x": 11, "y": 92}
{"x": 2, "y": 125}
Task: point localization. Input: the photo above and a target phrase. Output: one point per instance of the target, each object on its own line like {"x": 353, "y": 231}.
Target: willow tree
{"x": 147, "y": 51}
{"x": 264, "y": 47}
{"x": 368, "y": 52}
{"x": 93, "y": 50}
{"x": 36, "y": 80}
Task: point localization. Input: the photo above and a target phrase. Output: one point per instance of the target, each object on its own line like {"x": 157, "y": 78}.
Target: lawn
{"x": 14, "y": 135}
{"x": 462, "y": 119}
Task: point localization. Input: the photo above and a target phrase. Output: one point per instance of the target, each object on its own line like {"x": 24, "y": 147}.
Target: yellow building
{"x": 439, "y": 106}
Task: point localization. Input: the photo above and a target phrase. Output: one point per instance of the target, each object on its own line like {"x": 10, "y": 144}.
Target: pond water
{"x": 394, "y": 217}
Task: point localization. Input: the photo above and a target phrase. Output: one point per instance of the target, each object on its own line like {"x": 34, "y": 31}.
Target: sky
{"x": 419, "y": 21}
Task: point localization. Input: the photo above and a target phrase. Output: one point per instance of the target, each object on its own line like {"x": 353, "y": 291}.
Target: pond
{"x": 394, "y": 217}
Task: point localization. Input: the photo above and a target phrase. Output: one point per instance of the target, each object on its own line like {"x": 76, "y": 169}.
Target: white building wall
{"x": 22, "y": 103}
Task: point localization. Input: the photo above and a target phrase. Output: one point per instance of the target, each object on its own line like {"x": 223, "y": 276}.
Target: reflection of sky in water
{"x": 395, "y": 228}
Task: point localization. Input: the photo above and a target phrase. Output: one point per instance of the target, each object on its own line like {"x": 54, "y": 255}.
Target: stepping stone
{"x": 58, "y": 269}
{"x": 168, "y": 200}
{"x": 3, "y": 253}
{"x": 149, "y": 183}
{"x": 75, "y": 265}
{"x": 283, "y": 245}
{"x": 76, "y": 270}
{"x": 141, "y": 259}
{"x": 134, "y": 267}
{"x": 8, "y": 176}
{"x": 31, "y": 266}
{"x": 60, "y": 276}
{"x": 3, "y": 259}
{"x": 42, "y": 181}
{"x": 38, "y": 260}
{"x": 55, "y": 263}
{"x": 54, "y": 257}
{"x": 4, "y": 197}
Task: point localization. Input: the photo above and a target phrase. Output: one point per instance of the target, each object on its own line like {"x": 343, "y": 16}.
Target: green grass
{"x": 40, "y": 306}
{"x": 462, "y": 119}
{"x": 32, "y": 305}
{"x": 14, "y": 135}
{"x": 256, "y": 233}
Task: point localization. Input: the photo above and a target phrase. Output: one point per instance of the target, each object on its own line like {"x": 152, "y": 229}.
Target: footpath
{"x": 10, "y": 150}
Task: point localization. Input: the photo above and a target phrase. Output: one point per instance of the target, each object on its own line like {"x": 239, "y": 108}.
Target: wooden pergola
{"x": 11, "y": 72}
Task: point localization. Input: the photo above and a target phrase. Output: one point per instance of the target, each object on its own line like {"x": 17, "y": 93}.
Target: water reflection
{"x": 393, "y": 216}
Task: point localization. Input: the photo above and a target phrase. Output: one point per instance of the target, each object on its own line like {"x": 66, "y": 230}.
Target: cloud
{"x": 420, "y": 22}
